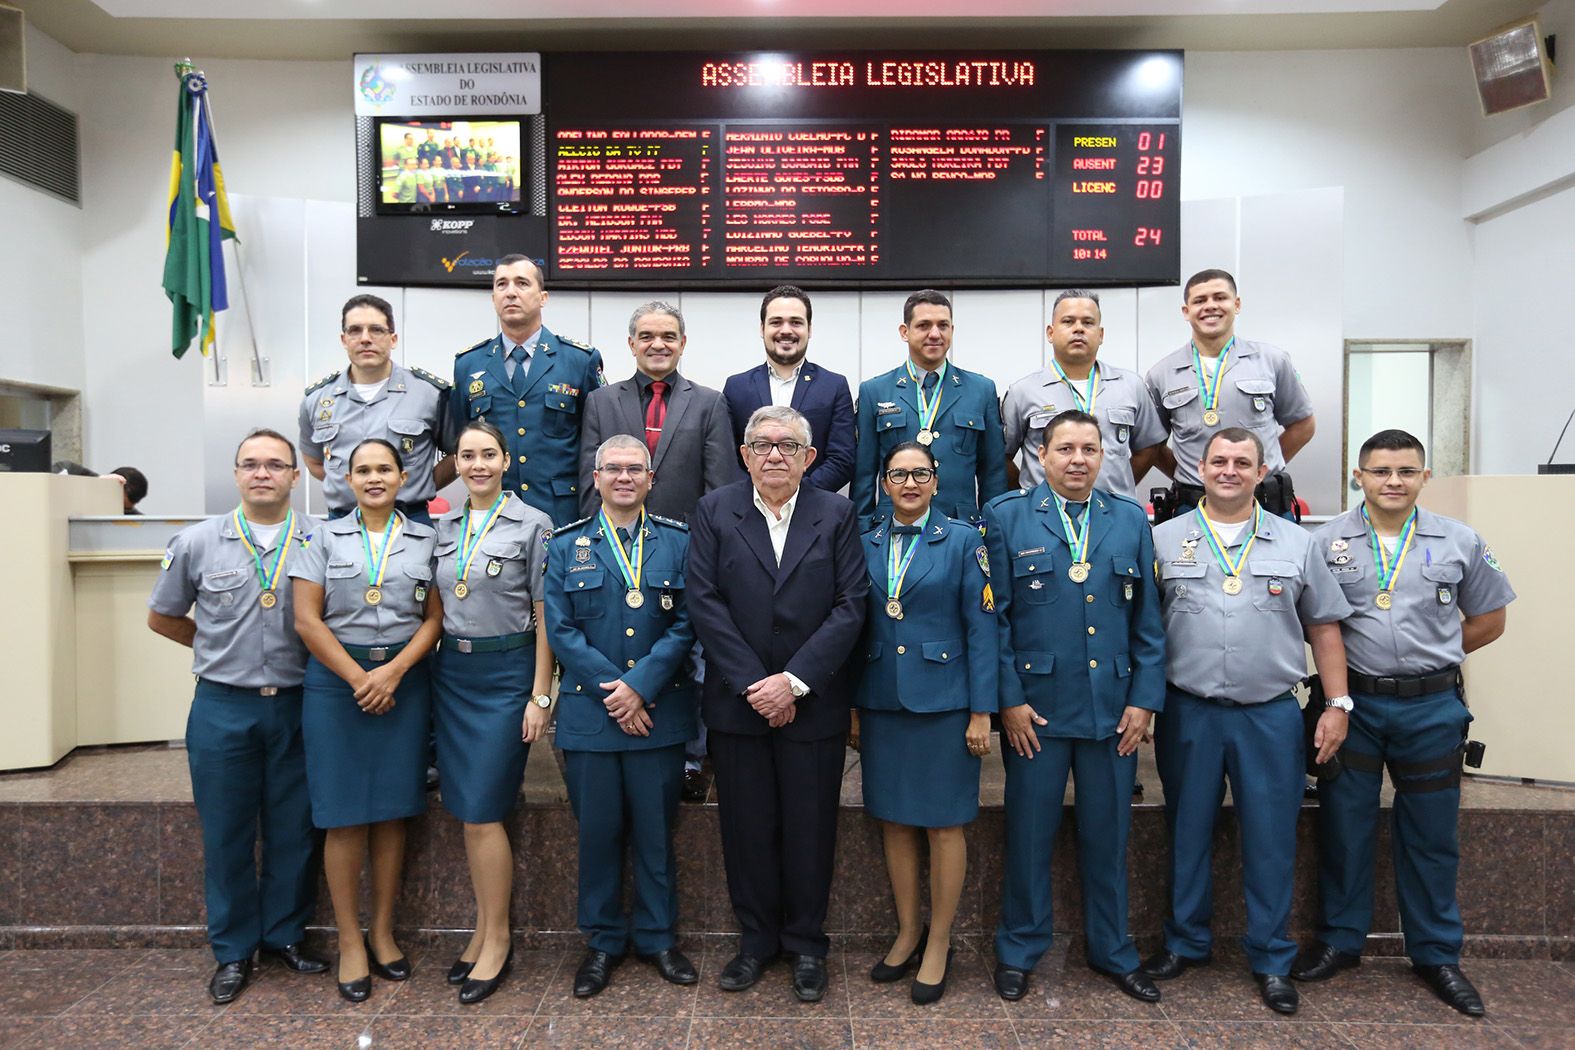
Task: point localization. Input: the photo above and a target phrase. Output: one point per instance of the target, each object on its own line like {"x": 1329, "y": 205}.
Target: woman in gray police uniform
{"x": 367, "y": 611}
{"x": 491, "y": 680}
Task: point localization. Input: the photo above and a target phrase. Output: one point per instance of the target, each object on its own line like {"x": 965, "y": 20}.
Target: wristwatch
{"x": 1340, "y": 703}
{"x": 797, "y": 690}
{"x": 542, "y": 700}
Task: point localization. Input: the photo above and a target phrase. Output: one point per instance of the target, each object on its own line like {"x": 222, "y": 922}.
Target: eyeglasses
{"x": 272, "y": 466}
{"x": 899, "y": 476}
{"x": 789, "y": 449}
{"x": 634, "y": 473}
{"x": 376, "y": 331}
{"x": 1385, "y": 473}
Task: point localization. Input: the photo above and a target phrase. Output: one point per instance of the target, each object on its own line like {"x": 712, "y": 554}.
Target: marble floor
{"x": 62, "y": 999}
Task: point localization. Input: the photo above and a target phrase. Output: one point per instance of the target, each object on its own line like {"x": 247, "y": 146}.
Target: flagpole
{"x": 184, "y": 68}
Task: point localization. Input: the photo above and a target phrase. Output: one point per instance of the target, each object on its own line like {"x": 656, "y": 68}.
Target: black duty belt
{"x": 375, "y": 653}
{"x": 500, "y": 644}
{"x": 1404, "y": 688}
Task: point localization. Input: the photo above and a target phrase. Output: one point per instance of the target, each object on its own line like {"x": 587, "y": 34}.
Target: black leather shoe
{"x": 1010, "y": 982}
{"x": 673, "y": 965}
{"x": 459, "y": 971}
{"x": 1135, "y": 983}
{"x": 883, "y": 973}
{"x": 741, "y": 972}
{"x": 398, "y": 970}
{"x": 294, "y": 957}
{"x": 594, "y": 973}
{"x": 474, "y": 990}
{"x": 1319, "y": 962}
{"x": 1450, "y": 985}
{"x": 229, "y": 980}
{"x": 809, "y": 978}
{"x": 1166, "y": 965}
{"x": 695, "y": 786}
{"x": 1279, "y": 994}
{"x": 925, "y": 994}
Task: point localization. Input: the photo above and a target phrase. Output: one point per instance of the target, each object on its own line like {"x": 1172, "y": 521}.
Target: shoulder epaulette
{"x": 329, "y": 378}
{"x": 668, "y": 521}
{"x": 477, "y": 346}
{"x": 587, "y": 347}
{"x": 1003, "y": 497}
{"x": 561, "y": 529}
{"x": 437, "y": 381}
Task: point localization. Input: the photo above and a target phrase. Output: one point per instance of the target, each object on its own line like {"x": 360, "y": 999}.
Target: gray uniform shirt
{"x": 335, "y": 561}
{"x": 1248, "y": 647}
{"x": 505, "y": 574}
{"x": 1127, "y": 418}
{"x": 410, "y": 412}
{"x": 1449, "y": 573}
{"x": 1260, "y": 391}
{"x": 238, "y": 642}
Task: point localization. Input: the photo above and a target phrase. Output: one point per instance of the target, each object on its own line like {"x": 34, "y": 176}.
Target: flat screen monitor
{"x": 24, "y": 451}
{"x": 463, "y": 166}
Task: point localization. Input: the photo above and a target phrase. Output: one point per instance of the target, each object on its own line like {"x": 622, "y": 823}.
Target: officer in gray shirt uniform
{"x": 1239, "y": 588}
{"x": 243, "y": 737}
{"x": 376, "y": 398}
{"x": 1426, "y": 591}
{"x": 1218, "y": 381}
{"x": 1129, "y": 425}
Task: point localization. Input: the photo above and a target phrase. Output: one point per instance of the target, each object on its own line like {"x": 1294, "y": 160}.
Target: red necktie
{"x": 655, "y": 415}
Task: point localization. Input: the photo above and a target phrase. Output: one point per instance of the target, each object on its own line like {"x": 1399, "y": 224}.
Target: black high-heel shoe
{"x": 459, "y": 971}
{"x": 882, "y": 973}
{"x": 358, "y": 990}
{"x": 925, "y": 994}
{"x": 475, "y": 990}
{"x": 398, "y": 970}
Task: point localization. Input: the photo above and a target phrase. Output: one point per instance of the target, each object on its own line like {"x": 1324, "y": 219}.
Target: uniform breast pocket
{"x": 1183, "y": 585}
{"x": 323, "y": 436}
{"x": 966, "y": 431}
{"x": 890, "y": 427}
{"x": 1259, "y": 395}
{"x": 669, "y": 587}
{"x": 409, "y": 434}
{"x": 1033, "y": 580}
{"x": 480, "y": 406}
{"x": 497, "y": 556}
{"x": 1176, "y": 404}
{"x": 585, "y": 593}
{"x": 1121, "y": 421}
{"x": 221, "y": 596}
{"x": 1126, "y": 577}
{"x": 1274, "y": 584}
{"x": 1349, "y": 576}
{"x": 1443, "y": 582}
{"x": 562, "y": 416}
{"x": 418, "y": 575}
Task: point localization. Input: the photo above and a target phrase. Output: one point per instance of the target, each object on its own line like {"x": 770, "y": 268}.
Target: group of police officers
{"x": 1103, "y": 623}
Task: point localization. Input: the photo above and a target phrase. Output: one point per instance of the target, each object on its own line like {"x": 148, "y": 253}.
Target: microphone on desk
{"x": 1551, "y": 467}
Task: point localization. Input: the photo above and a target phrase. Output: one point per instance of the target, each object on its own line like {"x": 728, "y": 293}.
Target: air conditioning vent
{"x": 38, "y": 146}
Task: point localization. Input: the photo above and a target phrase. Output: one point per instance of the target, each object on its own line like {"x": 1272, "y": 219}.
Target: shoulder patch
{"x": 167, "y": 560}
{"x": 329, "y": 378}
{"x": 476, "y": 346}
{"x": 437, "y": 381}
{"x": 1487, "y": 556}
{"x": 587, "y": 347}
{"x": 669, "y": 521}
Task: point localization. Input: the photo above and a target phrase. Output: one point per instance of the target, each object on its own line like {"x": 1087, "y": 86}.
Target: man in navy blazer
{"x": 787, "y": 378}
{"x": 776, "y": 585}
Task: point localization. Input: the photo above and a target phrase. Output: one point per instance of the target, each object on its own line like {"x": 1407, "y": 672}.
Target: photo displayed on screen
{"x": 449, "y": 165}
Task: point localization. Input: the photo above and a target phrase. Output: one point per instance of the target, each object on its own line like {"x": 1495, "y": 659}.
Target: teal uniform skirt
{"x": 478, "y": 711}
{"x": 361, "y": 768}
{"x": 917, "y": 768}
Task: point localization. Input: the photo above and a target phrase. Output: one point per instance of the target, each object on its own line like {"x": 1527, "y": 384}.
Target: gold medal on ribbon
{"x": 1232, "y": 585}
{"x": 926, "y": 437}
{"x": 461, "y": 590}
{"x": 377, "y": 568}
{"x": 269, "y": 579}
{"x": 1211, "y": 418}
{"x": 374, "y": 595}
{"x": 1389, "y": 571}
{"x": 268, "y": 599}
{"x": 894, "y": 608}
{"x": 1209, "y": 392}
{"x": 1230, "y": 566}
{"x": 1384, "y": 600}
{"x": 634, "y": 599}
{"x": 1078, "y": 571}
{"x": 631, "y": 562}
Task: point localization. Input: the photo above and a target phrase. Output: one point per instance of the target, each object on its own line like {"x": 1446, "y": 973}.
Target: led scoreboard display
{"x": 864, "y": 169}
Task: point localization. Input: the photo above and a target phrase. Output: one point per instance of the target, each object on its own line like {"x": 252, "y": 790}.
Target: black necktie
{"x": 930, "y": 379}
{"x": 1074, "y": 511}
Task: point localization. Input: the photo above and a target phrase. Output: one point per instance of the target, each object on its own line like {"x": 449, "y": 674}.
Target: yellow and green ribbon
{"x": 630, "y": 567}
{"x": 1232, "y": 568}
{"x": 374, "y": 576}
{"x": 928, "y": 409}
{"x": 1210, "y": 392}
{"x": 898, "y": 560}
{"x": 1076, "y": 542}
{"x": 1389, "y": 572}
{"x": 470, "y": 540}
{"x": 1084, "y": 399}
{"x": 269, "y": 578}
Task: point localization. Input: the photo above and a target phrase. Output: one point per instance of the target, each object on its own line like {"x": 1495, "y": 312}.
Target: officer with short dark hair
{"x": 1426, "y": 591}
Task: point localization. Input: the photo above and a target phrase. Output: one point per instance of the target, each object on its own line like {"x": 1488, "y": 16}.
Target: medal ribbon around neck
{"x": 1084, "y": 399}
{"x": 897, "y": 560}
{"x": 268, "y": 579}
{"x": 1210, "y": 392}
{"x": 631, "y": 569}
{"x": 374, "y": 577}
{"x": 1232, "y": 568}
{"x": 928, "y": 409}
{"x": 1077, "y": 542}
{"x": 1389, "y": 573}
{"x": 470, "y": 541}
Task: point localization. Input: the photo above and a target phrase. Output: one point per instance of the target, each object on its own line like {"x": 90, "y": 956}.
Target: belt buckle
{"x": 1386, "y": 684}
{"x": 268, "y": 690}
{"x": 463, "y": 645}
{"x": 377, "y": 654}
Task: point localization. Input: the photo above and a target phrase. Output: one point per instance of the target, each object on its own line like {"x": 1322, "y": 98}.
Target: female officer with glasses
{"x": 924, "y": 703}
{"x": 367, "y": 611}
{"x": 491, "y": 679}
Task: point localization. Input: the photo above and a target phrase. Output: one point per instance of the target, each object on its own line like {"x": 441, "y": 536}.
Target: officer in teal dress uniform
{"x": 618, "y": 622}
{"x": 1082, "y": 671}
{"x": 532, "y": 385}
{"x": 927, "y": 399}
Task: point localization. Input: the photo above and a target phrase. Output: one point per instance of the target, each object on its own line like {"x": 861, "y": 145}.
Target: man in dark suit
{"x": 684, "y": 424}
{"x": 776, "y": 593}
{"x": 786, "y": 378}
